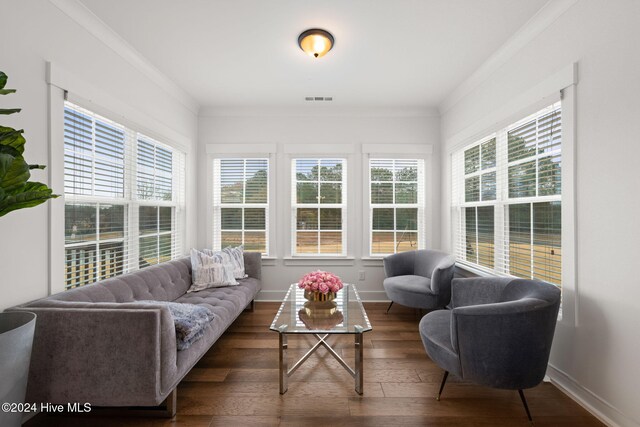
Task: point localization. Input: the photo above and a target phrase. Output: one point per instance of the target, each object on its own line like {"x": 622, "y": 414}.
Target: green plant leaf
{"x": 16, "y": 192}
{"x": 30, "y": 195}
{"x": 14, "y": 172}
{"x": 12, "y": 138}
{"x": 7, "y": 149}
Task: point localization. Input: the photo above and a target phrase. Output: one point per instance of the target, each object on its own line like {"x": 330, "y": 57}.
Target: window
{"x": 154, "y": 187}
{"x": 241, "y": 204}
{"x": 319, "y": 206}
{"x": 124, "y": 196}
{"x": 396, "y": 205}
{"x": 507, "y": 199}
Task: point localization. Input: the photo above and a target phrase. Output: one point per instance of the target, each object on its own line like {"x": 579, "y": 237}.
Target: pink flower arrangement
{"x": 320, "y": 281}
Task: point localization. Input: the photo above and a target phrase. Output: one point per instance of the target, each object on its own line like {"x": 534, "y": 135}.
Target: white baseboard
{"x": 597, "y": 406}
{"x": 368, "y": 296}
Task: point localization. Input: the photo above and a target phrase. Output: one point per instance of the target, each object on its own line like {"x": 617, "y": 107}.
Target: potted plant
{"x": 16, "y": 328}
{"x": 16, "y": 339}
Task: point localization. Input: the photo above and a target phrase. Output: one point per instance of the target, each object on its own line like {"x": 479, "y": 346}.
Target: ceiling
{"x": 394, "y": 53}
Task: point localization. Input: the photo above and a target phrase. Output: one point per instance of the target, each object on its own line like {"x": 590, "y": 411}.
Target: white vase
{"x": 16, "y": 340}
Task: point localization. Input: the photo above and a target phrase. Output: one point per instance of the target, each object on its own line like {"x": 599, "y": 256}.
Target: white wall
{"x": 33, "y": 33}
{"x": 316, "y": 125}
{"x": 597, "y": 359}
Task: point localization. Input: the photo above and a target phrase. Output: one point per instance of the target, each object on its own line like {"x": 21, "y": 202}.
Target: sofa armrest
{"x": 477, "y": 290}
{"x": 253, "y": 264}
{"x": 442, "y": 275}
{"x": 106, "y": 354}
{"x": 399, "y": 264}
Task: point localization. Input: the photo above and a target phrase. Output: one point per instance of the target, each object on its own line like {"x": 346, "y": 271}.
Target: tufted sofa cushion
{"x": 225, "y": 303}
{"x": 162, "y": 282}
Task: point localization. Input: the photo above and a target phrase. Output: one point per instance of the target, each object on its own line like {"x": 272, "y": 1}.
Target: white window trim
{"x": 502, "y": 201}
{"x": 294, "y": 206}
{"x": 215, "y": 220}
{"x": 56, "y": 168}
{"x": 281, "y": 155}
{"x": 420, "y": 205}
{"x": 544, "y": 94}
{"x": 131, "y": 200}
{"x": 401, "y": 151}
{"x": 228, "y": 151}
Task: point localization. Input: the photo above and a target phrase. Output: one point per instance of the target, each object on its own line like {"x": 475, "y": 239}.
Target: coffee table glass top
{"x": 344, "y": 315}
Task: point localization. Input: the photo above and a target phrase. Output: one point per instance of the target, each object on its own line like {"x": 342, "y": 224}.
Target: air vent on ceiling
{"x": 318, "y": 98}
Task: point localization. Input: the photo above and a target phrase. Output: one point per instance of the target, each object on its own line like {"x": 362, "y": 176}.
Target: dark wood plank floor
{"x": 236, "y": 384}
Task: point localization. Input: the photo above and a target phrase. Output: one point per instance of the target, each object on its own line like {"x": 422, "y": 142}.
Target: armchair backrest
{"x": 435, "y": 265}
{"x": 507, "y": 344}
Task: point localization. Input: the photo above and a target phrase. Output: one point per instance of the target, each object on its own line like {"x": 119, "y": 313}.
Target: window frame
{"x": 294, "y": 206}
{"x": 130, "y": 199}
{"x": 420, "y": 204}
{"x": 216, "y": 208}
{"x": 503, "y": 201}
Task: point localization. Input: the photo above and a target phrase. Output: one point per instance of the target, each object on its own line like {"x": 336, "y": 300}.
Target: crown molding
{"x": 318, "y": 111}
{"x": 84, "y": 17}
{"x": 548, "y": 14}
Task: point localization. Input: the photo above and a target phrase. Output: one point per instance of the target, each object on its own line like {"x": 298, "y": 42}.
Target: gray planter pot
{"x": 16, "y": 340}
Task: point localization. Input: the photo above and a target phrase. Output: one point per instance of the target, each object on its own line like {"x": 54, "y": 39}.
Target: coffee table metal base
{"x": 285, "y": 372}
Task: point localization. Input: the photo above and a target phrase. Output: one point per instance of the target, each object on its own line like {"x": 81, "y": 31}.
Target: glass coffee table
{"x": 344, "y": 315}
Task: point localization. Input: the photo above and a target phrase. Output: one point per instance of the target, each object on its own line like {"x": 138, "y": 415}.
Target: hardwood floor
{"x": 236, "y": 384}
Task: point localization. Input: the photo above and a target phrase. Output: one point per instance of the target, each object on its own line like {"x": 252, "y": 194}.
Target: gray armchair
{"x": 498, "y": 333}
{"x": 419, "y": 279}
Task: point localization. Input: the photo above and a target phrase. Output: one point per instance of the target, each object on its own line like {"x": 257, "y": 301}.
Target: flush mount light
{"x": 315, "y": 42}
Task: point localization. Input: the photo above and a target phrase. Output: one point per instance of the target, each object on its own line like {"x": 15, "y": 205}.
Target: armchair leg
{"x": 526, "y": 407}
{"x": 444, "y": 380}
{"x": 388, "y": 308}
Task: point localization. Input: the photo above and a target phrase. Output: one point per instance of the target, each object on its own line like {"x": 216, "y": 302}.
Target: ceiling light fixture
{"x": 315, "y": 42}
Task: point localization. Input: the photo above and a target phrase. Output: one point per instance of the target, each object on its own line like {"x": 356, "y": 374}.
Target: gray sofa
{"x": 96, "y": 344}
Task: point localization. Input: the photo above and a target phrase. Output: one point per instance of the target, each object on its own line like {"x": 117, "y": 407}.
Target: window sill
{"x": 318, "y": 260}
{"x": 466, "y": 270}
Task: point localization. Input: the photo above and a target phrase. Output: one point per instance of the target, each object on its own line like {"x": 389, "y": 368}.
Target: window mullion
{"x": 132, "y": 241}
{"x": 531, "y": 224}
{"x": 537, "y": 164}
{"x": 318, "y": 234}
{"x": 158, "y": 233}
{"x": 96, "y": 264}
{"x": 93, "y": 157}
{"x": 501, "y": 246}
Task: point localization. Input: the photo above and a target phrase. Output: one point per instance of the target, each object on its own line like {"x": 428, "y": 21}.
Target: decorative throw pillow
{"x": 211, "y": 271}
{"x": 237, "y": 257}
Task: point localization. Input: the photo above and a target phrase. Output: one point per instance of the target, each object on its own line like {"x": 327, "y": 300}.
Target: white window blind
{"x": 319, "y": 206}
{"x": 506, "y": 200}
{"x": 396, "y": 205}
{"x": 124, "y": 199}
{"x": 241, "y": 204}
